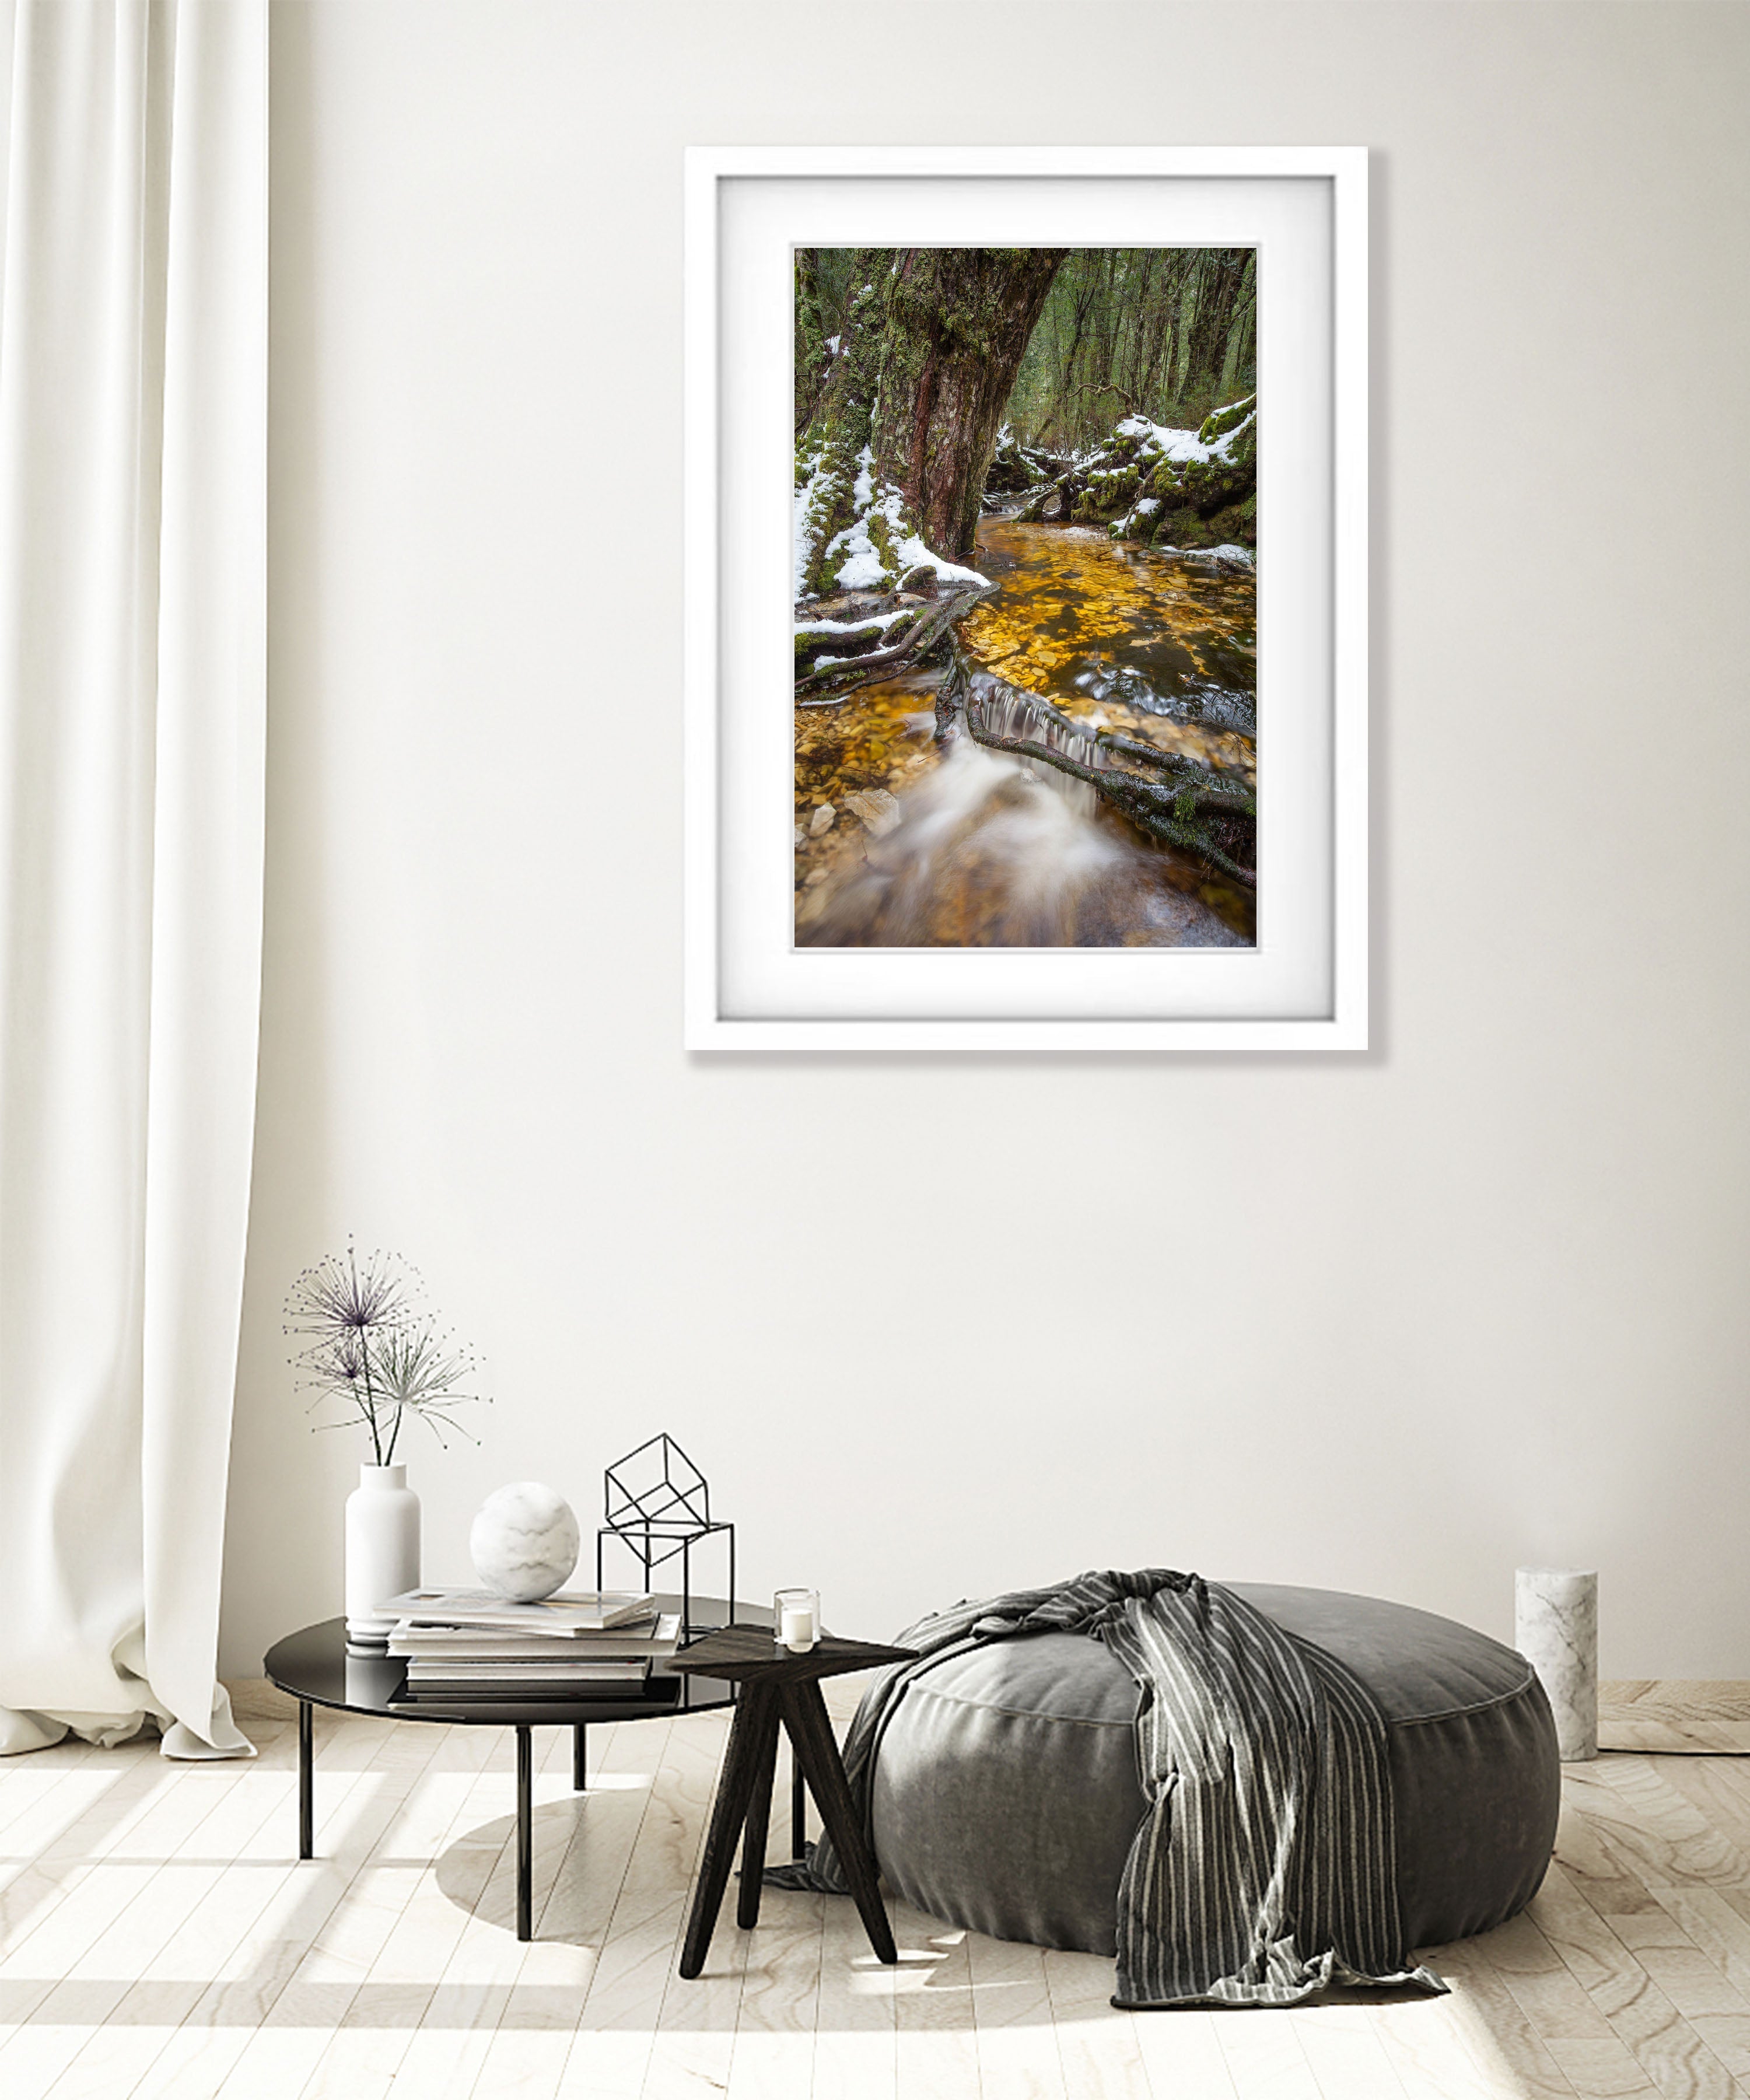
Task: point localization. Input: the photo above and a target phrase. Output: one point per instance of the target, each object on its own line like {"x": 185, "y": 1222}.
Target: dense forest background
{"x": 1171, "y": 332}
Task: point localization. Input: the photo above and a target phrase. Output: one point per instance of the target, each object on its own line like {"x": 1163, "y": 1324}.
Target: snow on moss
{"x": 914, "y": 554}
{"x": 1148, "y": 479}
{"x": 1188, "y": 447}
{"x": 862, "y": 567}
{"x": 883, "y": 619}
{"x": 816, "y": 486}
{"x": 879, "y": 545}
{"x": 1233, "y": 418}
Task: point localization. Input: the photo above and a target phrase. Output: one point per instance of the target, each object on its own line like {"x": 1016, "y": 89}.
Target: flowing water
{"x": 939, "y": 842}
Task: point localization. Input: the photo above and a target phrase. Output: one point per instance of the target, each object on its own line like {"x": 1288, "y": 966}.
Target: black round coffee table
{"x": 313, "y": 1667}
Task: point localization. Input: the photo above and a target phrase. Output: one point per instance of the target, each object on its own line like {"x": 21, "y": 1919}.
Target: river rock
{"x": 878, "y": 810}
{"x": 821, "y": 820}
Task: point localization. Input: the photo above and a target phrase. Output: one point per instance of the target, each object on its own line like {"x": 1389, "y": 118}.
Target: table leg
{"x": 765, "y": 1754}
{"x": 525, "y": 1834}
{"x": 579, "y": 1756}
{"x": 306, "y": 1782}
{"x": 798, "y": 1809}
{"x": 729, "y": 1813}
{"x": 804, "y": 1713}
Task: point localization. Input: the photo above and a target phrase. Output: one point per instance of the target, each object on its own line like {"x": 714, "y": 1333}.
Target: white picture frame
{"x": 1304, "y": 987}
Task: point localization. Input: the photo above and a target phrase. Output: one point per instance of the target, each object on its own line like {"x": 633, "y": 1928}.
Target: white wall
{"x": 937, "y": 1326}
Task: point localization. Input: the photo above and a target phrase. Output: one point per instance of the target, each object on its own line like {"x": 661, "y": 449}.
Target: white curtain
{"x": 133, "y": 447}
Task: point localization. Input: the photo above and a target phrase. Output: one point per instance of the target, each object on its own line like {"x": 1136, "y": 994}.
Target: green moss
{"x": 813, "y": 360}
{"x": 835, "y": 439}
{"x": 1220, "y": 420}
{"x": 881, "y": 539}
{"x": 1238, "y": 522}
{"x": 1164, "y": 483}
{"x": 855, "y": 641}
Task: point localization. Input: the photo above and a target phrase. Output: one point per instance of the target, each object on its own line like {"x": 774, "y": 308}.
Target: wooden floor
{"x": 1674, "y": 1714}
{"x": 159, "y": 1936}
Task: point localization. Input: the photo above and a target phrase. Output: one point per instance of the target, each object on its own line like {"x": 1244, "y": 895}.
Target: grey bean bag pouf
{"x": 1006, "y": 1794}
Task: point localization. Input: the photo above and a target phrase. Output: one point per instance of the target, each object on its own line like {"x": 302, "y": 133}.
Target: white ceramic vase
{"x": 382, "y": 1551}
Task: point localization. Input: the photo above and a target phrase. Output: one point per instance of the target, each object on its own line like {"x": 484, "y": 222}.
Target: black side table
{"x": 315, "y": 1668}
{"x": 776, "y": 1686}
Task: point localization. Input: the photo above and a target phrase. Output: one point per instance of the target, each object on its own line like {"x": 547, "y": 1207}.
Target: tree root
{"x": 1215, "y": 791}
{"x": 1194, "y": 808}
{"x": 1164, "y": 813}
{"x": 925, "y": 633}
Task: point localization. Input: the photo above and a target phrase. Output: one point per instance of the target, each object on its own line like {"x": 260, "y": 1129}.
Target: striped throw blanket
{"x": 1265, "y": 1867}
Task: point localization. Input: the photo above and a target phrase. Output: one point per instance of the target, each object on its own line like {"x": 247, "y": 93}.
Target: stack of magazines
{"x": 468, "y": 1646}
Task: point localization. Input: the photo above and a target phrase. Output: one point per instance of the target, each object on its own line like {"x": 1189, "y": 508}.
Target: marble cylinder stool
{"x": 1556, "y": 1630}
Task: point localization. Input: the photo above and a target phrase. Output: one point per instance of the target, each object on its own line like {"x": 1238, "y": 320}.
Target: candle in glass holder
{"x": 795, "y": 1619}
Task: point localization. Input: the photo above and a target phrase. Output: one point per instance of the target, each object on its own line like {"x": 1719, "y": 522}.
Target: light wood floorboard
{"x": 160, "y": 1940}
{"x": 1674, "y": 1714}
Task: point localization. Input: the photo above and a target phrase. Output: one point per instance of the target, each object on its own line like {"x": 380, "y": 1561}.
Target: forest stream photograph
{"x": 1025, "y": 597}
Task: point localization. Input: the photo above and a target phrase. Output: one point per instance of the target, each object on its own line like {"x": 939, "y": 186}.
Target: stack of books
{"x": 469, "y": 1646}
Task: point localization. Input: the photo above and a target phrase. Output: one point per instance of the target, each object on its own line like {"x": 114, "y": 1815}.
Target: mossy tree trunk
{"x": 958, "y": 320}
{"x": 814, "y": 361}
{"x": 896, "y": 451}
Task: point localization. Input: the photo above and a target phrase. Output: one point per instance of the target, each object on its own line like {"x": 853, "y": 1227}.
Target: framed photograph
{"x": 1026, "y": 611}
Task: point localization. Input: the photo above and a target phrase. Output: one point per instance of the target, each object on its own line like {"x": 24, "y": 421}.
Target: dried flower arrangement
{"x": 369, "y": 1341}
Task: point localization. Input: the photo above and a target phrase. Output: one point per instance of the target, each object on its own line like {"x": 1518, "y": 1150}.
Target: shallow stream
{"x": 946, "y": 843}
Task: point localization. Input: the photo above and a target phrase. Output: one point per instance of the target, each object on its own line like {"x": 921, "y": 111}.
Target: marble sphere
{"x": 524, "y": 1542}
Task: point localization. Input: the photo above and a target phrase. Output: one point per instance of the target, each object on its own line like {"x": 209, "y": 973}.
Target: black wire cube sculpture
{"x": 657, "y": 1504}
